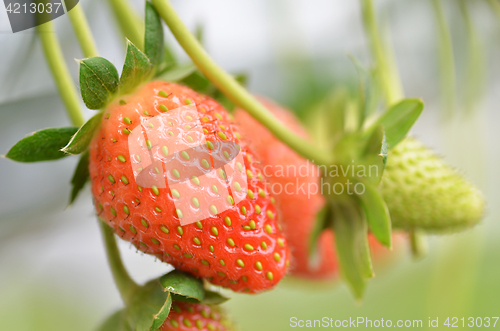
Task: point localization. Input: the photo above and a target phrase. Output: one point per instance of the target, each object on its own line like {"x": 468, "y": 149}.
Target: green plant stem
{"x": 55, "y": 59}
{"x": 130, "y": 24}
{"x": 418, "y": 244}
{"x": 386, "y": 71}
{"x": 495, "y": 5}
{"x": 475, "y": 69}
{"x": 233, "y": 90}
{"x": 125, "y": 284}
{"x": 82, "y": 31}
{"x": 446, "y": 59}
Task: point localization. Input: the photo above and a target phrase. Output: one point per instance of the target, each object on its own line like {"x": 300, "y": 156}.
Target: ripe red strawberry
{"x": 299, "y": 208}
{"x": 241, "y": 247}
{"x": 195, "y": 317}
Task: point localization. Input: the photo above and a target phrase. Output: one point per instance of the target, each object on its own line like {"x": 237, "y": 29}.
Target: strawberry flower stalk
{"x": 232, "y": 89}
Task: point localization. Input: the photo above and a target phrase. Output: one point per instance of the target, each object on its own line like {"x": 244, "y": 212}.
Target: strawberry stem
{"x": 233, "y": 90}
{"x": 385, "y": 66}
{"x": 55, "y": 59}
{"x": 82, "y": 31}
{"x": 125, "y": 284}
{"x": 446, "y": 59}
{"x": 71, "y": 100}
{"x": 418, "y": 244}
{"x": 130, "y": 24}
{"x": 495, "y": 5}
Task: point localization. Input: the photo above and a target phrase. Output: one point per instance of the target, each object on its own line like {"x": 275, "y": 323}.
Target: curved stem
{"x": 418, "y": 244}
{"x": 82, "y": 30}
{"x": 446, "y": 59}
{"x": 70, "y": 97}
{"x": 495, "y": 5}
{"x": 386, "y": 70}
{"x": 475, "y": 69}
{"x": 60, "y": 72}
{"x": 130, "y": 24}
{"x": 233, "y": 90}
{"x": 125, "y": 284}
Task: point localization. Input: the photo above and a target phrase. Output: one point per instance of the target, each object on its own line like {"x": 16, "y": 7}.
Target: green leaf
{"x": 81, "y": 140}
{"x": 383, "y": 150}
{"x": 98, "y": 82}
{"x": 321, "y": 222}
{"x": 351, "y": 243}
{"x": 242, "y": 78}
{"x": 335, "y": 107}
{"x": 326, "y": 120}
{"x": 399, "y": 119}
{"x": 149, "y": 307}
{"x": 199, "y": 33}
{"x": 369, "y": 93}
{"x": 214, "y": 298}
{"x": 115, "y": 322}
{"x": 178, "y": 73}
{"x": 169, "y": 59}
{"x": 198, "y": 82}
{"x": 80, "y": 177}
{"x": 373, "y": 155}
{"x": 178, "y": 297}
{"x": 153, "y": 37}
{"x": 377, "y": 214}
{"x": 374, "y": 142}
{"x": 43, "y": 145}
{"x": 183, "y": 284}
{"x": 136, "y": 69}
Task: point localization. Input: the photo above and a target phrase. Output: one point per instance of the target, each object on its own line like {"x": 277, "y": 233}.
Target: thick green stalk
{"x": 125, "y": 284}
{"x": 446, "y": 59}
{"x": 130, "y": 24}
{"x": 233, "y": 90}
{"x": 60, "y": 72}
{"x": 69, "y": 94}
{"x": 385, "y": 67}
{"x": 82, "y": 31}
{"x": 495, "y": 5}
{"x": 475, "y": 68}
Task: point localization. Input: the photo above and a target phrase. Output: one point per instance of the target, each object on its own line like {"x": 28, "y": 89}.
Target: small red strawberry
{"x": 298, "y": 206}
{"x": 151, "y": 177}
{"x": 195, "y": 317}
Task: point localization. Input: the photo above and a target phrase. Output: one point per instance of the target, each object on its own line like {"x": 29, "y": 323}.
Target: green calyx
{"x": 423, "y": 192}
{"x": 359, "y": 135}
{"x": 99, "y": 81}
{"x": 148, "y": 306}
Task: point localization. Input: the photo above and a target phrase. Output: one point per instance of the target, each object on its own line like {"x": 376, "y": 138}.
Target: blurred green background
{"x": 53, "y": 273}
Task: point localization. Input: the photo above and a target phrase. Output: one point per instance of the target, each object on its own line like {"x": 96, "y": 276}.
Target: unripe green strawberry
{"x": 239, "y": 244}
{"x": 299, "y": 206}
{"x": 195, "y": 317}
{"x": 422, "y": 191}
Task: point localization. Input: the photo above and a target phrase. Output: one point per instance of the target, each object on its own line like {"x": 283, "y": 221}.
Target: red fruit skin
{"x": 195, "y": 247}
{"x": 195, "y": 317}
{"x": 299, "y": 208}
